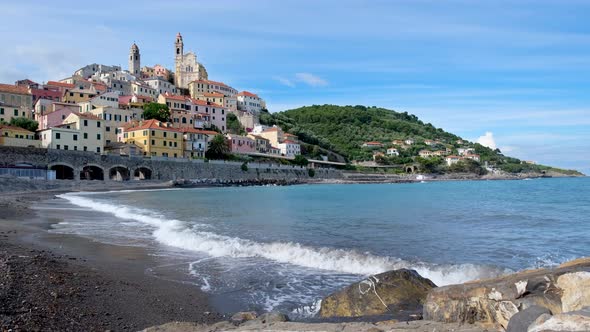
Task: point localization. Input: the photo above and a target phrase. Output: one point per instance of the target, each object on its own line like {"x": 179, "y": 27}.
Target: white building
{"x": 91, "y": 70}
{"x": 249, "y": 102}
{"x": 109, "y": 99}
{"x": 409, "y": 141}
{"x": 392, "y": 152}
{"x": 464, "y": 151}
{"x": 451, "y": 160}
{"x": 142, "y": 89}
{"x": 289, "y": 148}
{"x": 161, "y": 85}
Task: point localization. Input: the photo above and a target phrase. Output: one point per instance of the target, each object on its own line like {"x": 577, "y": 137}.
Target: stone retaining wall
{"x": 124, "y": 167}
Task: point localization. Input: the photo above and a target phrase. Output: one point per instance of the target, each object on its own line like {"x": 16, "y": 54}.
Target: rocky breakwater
{"x": 398, "y": 294}
{"x": 535, "y": 300}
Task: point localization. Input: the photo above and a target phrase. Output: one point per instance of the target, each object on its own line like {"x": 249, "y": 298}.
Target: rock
{"x": 380, "y": 294}
{"x": 521, "y": 320}
{"x": 273, "y": 317}
{"x": 243, "y": 316}
{"x": 495, "y": 301}
{"x": 572, "y": 322}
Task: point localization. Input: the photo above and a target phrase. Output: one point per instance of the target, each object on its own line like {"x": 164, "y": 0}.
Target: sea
{"x": 283, "y": 248}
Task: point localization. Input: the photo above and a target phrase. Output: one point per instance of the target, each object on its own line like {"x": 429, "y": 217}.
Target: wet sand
{"x": 54, "y": 282}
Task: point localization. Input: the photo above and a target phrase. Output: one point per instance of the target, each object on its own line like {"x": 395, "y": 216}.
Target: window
{"x": 144, "y": 142}
{"x": 97, "y": 124}
{"x": 175, "y": 144}
{"x": 1, "y": 111}
{"x": 65, "y": 147}
{"x": 98, "y": 136}
{"x": 57, "y": 135}
{"x": 75, "y": 148}
{"x": 85, "y": 135}
{"x": 153, "y": 142}
{"x": 85, "y": 123}
{"x": 75, "y": 137}
{"x": 153, "y": 133}
{"x": 107, "y": 128}
{"x": 164, "y": 143}
{"x": 165, "y": 134}
{"x": 85, "y": 148}
{"x": 58, "y": 146}
{"x": 15, "y": 112}
{"x": 98, "y": 149}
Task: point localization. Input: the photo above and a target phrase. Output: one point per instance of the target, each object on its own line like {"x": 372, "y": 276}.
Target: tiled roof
{"x": 288, "y": 141}
{"x": 248, "y": 94}
{"x": 9, "y": 88}
{"x": 15, "y": 128}
{"x": 60, "y": 84}
{"x": 373, "y": 143}
{"x": 89, "y": 116}
{"x": 174, "y": 97}
{"x": 198, "y": 131}
{"x": 270, "y": 130}
{"x": 213, "y": 94}
{"x": 151, "y": 124}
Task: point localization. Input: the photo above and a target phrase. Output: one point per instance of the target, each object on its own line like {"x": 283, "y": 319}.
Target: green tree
{"x": 233, "y": 125}
{"x": 28, "y": 124}
{"x": 300, "y": 160}
{"x": 218, "y": 148}
{"x": 160, "y": 112}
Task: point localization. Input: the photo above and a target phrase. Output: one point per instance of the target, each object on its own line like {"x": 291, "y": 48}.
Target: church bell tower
{"x": 134, "y": 60}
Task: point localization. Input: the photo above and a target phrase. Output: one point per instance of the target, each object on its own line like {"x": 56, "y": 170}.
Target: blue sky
{"x": 519, "y": 70}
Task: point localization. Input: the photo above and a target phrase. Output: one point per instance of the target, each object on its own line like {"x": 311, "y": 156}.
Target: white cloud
{"x": 487, "y": 140}
{"x": 311, "y": 79}
{"x": 284, "y": 81}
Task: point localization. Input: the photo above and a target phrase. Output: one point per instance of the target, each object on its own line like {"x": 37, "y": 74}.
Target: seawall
{"x": 78, "y": 165}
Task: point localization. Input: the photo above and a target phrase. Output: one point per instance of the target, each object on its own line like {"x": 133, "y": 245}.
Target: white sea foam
{"x": 187, "y": 236}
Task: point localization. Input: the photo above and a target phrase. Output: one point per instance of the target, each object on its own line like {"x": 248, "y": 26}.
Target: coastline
{"x": 108, "y": 286}
{"x": 70, "y": 283}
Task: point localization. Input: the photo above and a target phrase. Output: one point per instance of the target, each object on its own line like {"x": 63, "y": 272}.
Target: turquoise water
{"x": 286, "y": 247}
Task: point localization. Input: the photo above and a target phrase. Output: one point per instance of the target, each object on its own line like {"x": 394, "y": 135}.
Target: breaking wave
{"x": 196, "y": 237}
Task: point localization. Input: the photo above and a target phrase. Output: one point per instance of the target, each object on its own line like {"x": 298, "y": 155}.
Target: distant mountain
{"x": 344, "y": 130}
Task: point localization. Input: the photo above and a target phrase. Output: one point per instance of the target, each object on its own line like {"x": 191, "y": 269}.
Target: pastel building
{"x": 142, "y": 89}
{"x": 205, "y": 88}
{"x": 78, "y": 95}
{"x": 16, "y": 136}
{"x": 155, "y": 138}
{"x": 16, "y": 101}
{"x": 78, "y": 132}
{"x": 108, "y": 99}
{"x": 114, "y": 118}
{"x": 241, "y": 144}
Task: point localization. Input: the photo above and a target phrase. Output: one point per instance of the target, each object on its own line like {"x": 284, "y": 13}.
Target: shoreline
{"x": 62, "y": 282}
{"x": 128, "y": 297}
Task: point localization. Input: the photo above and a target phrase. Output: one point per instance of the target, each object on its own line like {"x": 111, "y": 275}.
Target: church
{"x": 186, "y": 67}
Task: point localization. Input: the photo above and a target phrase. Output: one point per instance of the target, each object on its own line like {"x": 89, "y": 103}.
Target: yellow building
{"x": 157, "y": 139}
{"x": 16, "y": 136}
{"x": 75, "y": 96}
{"x": 213, "y": 97}
{"x": 115, "y": 118}
{"x": 15, "y": 101}
{"x": 201, "y": 87}
{"x": 274, "y": 134}
{"x": 78, "y": 132}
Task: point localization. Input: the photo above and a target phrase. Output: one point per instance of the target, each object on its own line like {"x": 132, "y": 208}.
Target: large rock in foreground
{"x": 563, "y": 289}
{"x": 380, "y": 294}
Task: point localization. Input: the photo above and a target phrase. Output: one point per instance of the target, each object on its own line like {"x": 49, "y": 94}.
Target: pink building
{"x": 241, "y": 144}
{"x": 55, "y": 118}
{"x": 162, "y": 72}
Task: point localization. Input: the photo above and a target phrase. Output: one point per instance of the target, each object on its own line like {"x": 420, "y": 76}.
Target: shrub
{"x": 245, "y": 167}
{"x": 311, "y": 172}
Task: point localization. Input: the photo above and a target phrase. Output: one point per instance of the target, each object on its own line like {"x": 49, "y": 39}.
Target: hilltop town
{"x": 158, "y": 113}
{"x": 102, "y": 109}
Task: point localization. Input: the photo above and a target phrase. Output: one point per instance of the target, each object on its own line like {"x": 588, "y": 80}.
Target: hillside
{"x": 344, "y": 129}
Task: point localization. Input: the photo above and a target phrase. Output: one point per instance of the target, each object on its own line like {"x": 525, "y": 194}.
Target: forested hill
{"x": 344, "y": 129}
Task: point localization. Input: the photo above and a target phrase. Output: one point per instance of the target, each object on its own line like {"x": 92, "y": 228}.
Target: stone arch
{"x": 92, "y": 172}
{"x": 119, "y": 173}
{"x": 63, "y": 171}
{"x": 142, "y": 173}
{"x": 410, "y": 169}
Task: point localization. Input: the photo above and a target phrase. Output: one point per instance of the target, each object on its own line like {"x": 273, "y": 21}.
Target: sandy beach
{"x": 54, "y": 282}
